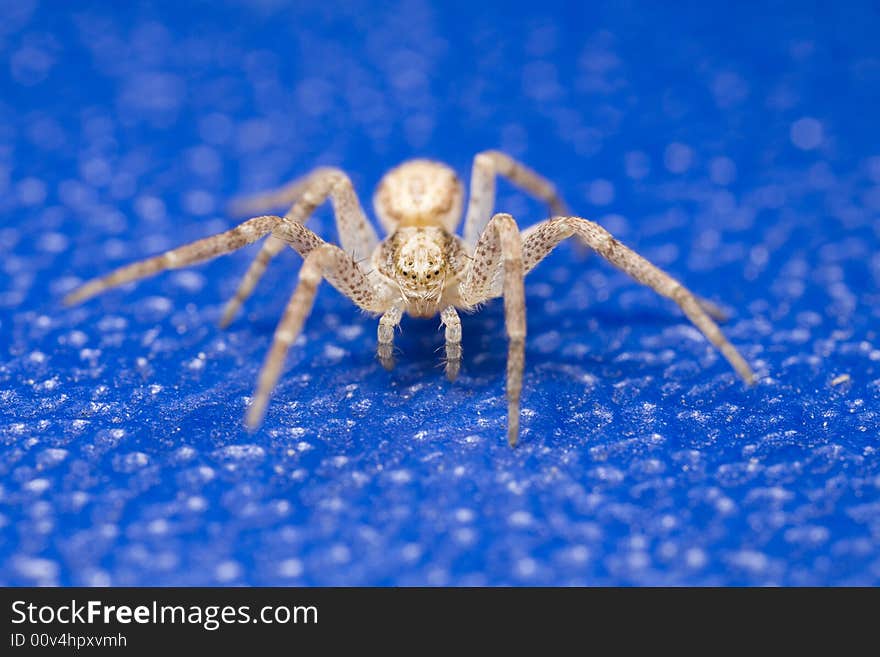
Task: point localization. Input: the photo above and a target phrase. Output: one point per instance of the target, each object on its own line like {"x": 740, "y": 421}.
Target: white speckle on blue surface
{"x": 334, "y": 353}
{"x": 467, "y": 515}
{"x": 578, "y": 554}
{"x": 526, "y": 568}
{"x": 807, "y": 133}
{"x": 465, "y": 535}
{"x": 722, "y": 170}
{"x": 340, "y": 553}
{"x": 678, "y": 157}
{"x": 38, "y": 485}
{"x": 199, "y": 202}
{"x": 191, "y": 281}
{"x": 242, "y": 453}
{"x": 53, "y": 242}
{"x": 78, "y": 499}
{"x": 637, "y": 164}
{"x": 725, "y": 505}
{"x": 520, "y": 519}
{"x": 730, "y": 89}
{"x": 131, "y": 462}
{"x": 158, "y": 527}
{"x": 51, "y": 457}
{"x": 31, "y": 191}
{"x": 750, "y": 560}
{"x": 204, "y": 160}
{"x": 98, "y": 578}
{"x": 401, "y": 476}
{"x": 600, "y": 192}
{"x": 227, "y": 571}
{"x": 37, "y": 357}
{"x": 350, "y": 332}
{"x": 150, "y": 208}
{"x": 42, "y": 572}
{"x": 695, "y": 558}
{"x": 291, "y": 568}
{"x": 411, "y": 552}
{"x": 205, "y": 473}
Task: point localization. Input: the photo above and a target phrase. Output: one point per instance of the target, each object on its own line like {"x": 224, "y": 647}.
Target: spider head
{"x": 418, "y": 261}
{"x": 419, "y": 193}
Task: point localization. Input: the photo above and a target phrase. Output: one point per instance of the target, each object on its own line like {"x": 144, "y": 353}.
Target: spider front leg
{"x": 452, "y": 324}
{"x": 501, "y": 243}
{"x": 481, "y": 199}
{"x": 205, "y": 249}
{"x": 356, "y": 234}
{"x": 389, "y": 321}
{"x": 539, "y": 240}
{"x": 322, "y": 260}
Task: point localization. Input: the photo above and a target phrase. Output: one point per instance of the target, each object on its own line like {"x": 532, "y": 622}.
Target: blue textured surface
{"x": 737, "y": 148}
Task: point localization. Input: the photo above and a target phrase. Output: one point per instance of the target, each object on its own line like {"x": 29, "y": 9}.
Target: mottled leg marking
{"x": 322, "y": 261}
{"x": 356, "y": 234}
{"x": 452, "y": 333}
{"x": 481, "y": 200}
{"x": 502, "y": 237}
{"x": 541, "y": 239}
{"x": 389, "y": 321}
{"x": 345, "y": 274}
{"x": 205, "y": 249}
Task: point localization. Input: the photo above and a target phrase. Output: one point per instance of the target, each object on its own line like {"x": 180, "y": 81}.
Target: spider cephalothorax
{"x": 423, "y": 262}
{"x": 422, "y": 268}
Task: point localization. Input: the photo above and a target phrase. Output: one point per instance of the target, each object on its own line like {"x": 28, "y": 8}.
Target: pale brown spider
{"x": 422, "y": 267}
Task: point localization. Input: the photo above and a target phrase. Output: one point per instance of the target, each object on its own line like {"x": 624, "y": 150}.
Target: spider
{"x": 421, "y": 268}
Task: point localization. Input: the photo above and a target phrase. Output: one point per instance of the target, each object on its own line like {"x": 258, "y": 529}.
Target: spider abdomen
{"x": 419, "y": 193}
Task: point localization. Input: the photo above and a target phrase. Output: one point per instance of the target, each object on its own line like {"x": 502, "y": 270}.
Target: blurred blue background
{"x": 734, "y": 144}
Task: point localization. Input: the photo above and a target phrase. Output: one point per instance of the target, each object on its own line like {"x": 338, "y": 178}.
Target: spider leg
{"x": 199, "y": 251}
{"x": 322, "y": 261}
{"x": 274, "y": 198}
{"x": 345, "y": 274}
{"x": 501, "y": 239}
{"x": 712, "y": 309}
{"x": 481, "y": 200}
{"x": 535, "y": 250}
{"x": 544, "y": 237}
{"x": 452, "y": 333}
{"x": 356, "y": 234}
{"x": 387, "y": 323}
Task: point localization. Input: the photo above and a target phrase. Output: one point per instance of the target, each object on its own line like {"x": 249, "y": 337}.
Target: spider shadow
{"x": 646, "y": 319}
{"x": 419, "y": 342}
{"x": 419, "y": 349}
{"x": 598, "y": 327}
